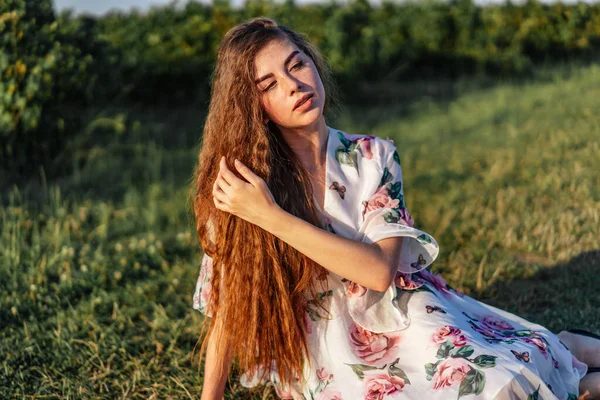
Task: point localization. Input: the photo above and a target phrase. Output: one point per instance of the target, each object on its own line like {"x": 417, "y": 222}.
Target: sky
{"x": 100, "y": 7}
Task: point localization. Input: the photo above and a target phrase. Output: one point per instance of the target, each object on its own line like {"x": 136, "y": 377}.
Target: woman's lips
{"x": 305, "y": 104}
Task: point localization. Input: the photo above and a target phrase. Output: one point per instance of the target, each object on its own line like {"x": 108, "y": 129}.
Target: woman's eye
{"x": 298, "y": 65}
{"x": 269, "y": 87}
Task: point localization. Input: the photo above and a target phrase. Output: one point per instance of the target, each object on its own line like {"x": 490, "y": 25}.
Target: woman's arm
{"x": 215, "y": 378}
{"x": 370, "y": 265}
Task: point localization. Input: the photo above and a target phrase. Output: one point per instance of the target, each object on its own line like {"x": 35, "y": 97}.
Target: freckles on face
{"x": 284, "y": 74}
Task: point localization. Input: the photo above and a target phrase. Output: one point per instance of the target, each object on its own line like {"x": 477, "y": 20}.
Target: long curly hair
{"x": 259, "y": 282}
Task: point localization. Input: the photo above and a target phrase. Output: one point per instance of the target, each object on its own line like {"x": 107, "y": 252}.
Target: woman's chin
{"x": 310, "y": 117}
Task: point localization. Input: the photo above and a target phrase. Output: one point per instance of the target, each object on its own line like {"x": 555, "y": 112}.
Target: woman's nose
{"x": 293, "y": 85}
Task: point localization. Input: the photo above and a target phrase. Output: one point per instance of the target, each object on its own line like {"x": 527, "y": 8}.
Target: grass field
{"x": 97, "y": 270}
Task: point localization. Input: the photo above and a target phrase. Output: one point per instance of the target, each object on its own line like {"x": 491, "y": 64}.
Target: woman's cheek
{"x": 270, "y": 107}
{"x": 266, "y": 105}
{"x": 276, "y": 105}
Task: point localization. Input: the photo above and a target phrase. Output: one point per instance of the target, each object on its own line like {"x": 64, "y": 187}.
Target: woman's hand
{"x": 251, "y": 201}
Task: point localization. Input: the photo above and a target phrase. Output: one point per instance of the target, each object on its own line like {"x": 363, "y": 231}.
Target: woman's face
{"x": 284, "y": 75}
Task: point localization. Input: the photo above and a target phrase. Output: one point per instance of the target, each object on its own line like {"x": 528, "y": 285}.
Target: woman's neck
{"x": 309, "y": 144}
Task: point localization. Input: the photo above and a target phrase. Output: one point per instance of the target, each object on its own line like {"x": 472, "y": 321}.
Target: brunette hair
{"x": 259, "y": 282}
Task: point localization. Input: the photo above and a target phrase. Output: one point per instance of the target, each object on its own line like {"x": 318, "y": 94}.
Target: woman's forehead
{"x": 273, "y": 54}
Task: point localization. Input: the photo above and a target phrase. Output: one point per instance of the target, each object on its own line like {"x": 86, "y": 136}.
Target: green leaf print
{"x": 312, "y": 308}
{"x": 444, "y": 350}
{"x": 395, "y": 371}
{"x": 392, "y": 217}
{"x": 523, "y": 333}
{"x": 464, "y": 351}
{"x": 431, "y": 369}
{"x": 396, "y": 157}
{"x": 347, "y": 152}
{"x": 535, "y": 395}
{"x": 394, "y": 192}
{"x": 485, "y": 361}
{"x": 386, "y": 177}
{"x": 360, "y": 368}
{"x": 320, "y": 295}
{"x": 424, "y": 238}
{"x": 346, "y": 142}
{"x": 313, "y": 315}
{"x": 474, "y": 383}
{"x": 330, "y": 228}
{"x": 572, "y": 396}
{"x": 321, "y": 386}
{"x": 345, "y": 157}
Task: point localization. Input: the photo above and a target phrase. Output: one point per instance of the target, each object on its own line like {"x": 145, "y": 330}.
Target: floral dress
{"x": 420, "y": 339}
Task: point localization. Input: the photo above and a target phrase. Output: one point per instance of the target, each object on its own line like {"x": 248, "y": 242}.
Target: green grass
{"x": 97, "y": 270}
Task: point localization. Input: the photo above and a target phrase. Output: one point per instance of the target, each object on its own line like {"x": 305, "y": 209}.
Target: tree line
{"x": 54, "y": 66}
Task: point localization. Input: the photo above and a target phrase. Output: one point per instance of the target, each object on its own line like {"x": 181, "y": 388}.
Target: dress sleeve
{"x": 384, "y": 214}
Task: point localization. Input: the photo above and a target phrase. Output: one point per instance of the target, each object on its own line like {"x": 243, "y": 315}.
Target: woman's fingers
{"x": 219, "y": 204}
{"x": 229, "y": 176}
{"x": 222, "y": 185}
{"x": 220, "y": 198}
{"x": 247, "y": 173}
{"x": 219, "y": 194}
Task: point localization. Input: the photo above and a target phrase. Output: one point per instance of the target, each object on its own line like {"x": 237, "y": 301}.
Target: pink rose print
{"x": 196, "y": 300}
{"x": 329, "y": 394}
{"x": 406, "y": 281}
{"x": 207, "y": 267}
{"x": 378, "y": 384}
{"x": 539, "y": 343}
{"x": 450, "y": 372}
{"x": 374, "y": 348}
{"x": 485, "y": 331}
{"x": 451, "y": 333}
{"x": 436, "y": 280}
{"x": 406, "y": 218}
{"x": 205, "y": 294}
{"x": 365, "y": 147}
{"x": 364, "y": 143}
{"x": 355, "y": 290}
{"x": 493, "y": 322}
{"x": 380, "y": 199}
{"x": 323, "y": 375}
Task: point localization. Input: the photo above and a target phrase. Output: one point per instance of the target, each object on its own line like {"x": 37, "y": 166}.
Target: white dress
{"x": 421, "y": 339}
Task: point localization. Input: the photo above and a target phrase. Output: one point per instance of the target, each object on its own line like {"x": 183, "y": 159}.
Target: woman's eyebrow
{"x": 285, "y": 63}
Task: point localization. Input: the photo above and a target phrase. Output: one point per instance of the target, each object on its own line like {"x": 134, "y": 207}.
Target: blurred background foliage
{"x": 493, "y": 109}
{"x": 55, "y": 66}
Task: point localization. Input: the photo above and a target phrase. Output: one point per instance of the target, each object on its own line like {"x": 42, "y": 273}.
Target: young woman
{"x": 314, "y": 274}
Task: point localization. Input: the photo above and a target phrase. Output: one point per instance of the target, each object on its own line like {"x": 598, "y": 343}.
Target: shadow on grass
{"x": 560, "y": 297}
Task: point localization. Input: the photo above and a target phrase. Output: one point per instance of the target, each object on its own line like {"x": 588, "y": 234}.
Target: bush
{"x": 50, "y": 68}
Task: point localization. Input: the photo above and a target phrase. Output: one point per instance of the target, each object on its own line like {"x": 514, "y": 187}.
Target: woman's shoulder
{"x": 370, "y": 146}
